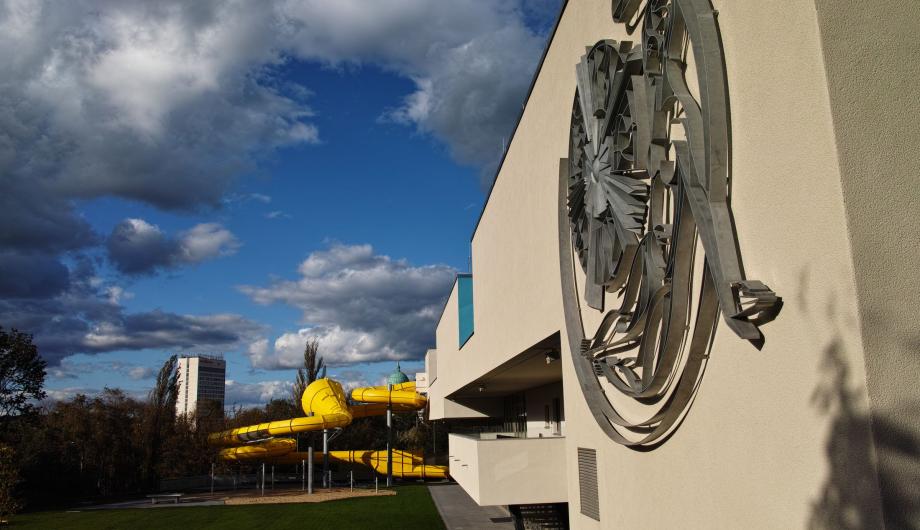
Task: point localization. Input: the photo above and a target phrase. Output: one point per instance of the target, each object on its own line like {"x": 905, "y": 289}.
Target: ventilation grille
{"x": 587, "y": 483}
{"x": 541, "y": 516}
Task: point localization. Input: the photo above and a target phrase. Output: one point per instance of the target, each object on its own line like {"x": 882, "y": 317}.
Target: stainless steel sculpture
{"x": 644, "y": 193}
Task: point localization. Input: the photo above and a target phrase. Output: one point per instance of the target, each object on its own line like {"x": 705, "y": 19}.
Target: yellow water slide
{"x": 405, "y": 464}
{"x": 326, "y": 407}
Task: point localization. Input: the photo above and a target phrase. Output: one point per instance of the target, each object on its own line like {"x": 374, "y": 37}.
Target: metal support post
{"x": 303, "y": 478}
{"x": 325, "y": 456}
{"x": 310, "y": 469}
{"x": 376, "y": 485}
{"x": 212, "y": 478}
{"x": 273, "y": 477}
{"x": 389, "y": 435}
{"x": 263, "y": 479}
{"x": 351, "y": 480}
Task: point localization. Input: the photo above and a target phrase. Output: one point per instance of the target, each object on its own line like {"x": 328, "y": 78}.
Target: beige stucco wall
{"x": 777, "y": 438}
{"x": 441, "y": 359}
{"x": 872, "y": 57}
{"x": 756, "y": 450}
{"x": 509, "y": 471}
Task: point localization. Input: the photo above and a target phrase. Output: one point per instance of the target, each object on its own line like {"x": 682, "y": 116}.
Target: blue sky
{"x": 235, "y": 179}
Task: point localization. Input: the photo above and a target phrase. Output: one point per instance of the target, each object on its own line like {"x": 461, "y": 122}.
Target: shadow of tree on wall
{"x": 849, "y": 498}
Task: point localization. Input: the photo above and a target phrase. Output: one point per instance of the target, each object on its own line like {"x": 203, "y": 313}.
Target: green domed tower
{"x": 397, "y": 377}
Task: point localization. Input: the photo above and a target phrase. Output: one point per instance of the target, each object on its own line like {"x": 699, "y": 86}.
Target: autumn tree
{"x": 9, "y": 477}
{"x": 314, "y": 367}
{"x": 22, "y": 373}
{"x": 160, "y": 418}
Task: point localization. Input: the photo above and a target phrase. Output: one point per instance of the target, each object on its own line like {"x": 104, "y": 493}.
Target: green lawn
{"x": 412, "y": 507}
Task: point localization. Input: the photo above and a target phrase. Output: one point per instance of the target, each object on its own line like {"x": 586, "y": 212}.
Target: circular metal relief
{"x": 646, "y": 203}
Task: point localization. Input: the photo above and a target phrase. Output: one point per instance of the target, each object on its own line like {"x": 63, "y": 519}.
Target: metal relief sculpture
{"x": 646, "y": 212}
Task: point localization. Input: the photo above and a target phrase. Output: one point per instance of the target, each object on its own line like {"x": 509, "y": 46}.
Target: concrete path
{"x": 145, "y": 503}
{"x": 460, "y": 512}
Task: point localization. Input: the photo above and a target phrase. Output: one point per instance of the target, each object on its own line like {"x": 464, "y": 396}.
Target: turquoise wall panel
{"x": 465, "y": 306}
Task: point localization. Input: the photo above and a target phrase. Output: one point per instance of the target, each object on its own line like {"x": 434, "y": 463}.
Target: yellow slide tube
{"x": 266, "y": 450}
{"x": 405, "y": 463}
{"x": 403, "y": 394}
{"x": 324, "y": 403}
{"x": 326, "y": 407}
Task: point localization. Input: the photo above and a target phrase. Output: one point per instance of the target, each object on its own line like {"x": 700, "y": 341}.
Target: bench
{"x": 174, "y": 496}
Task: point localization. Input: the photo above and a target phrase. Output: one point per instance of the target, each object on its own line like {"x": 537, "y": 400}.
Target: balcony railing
{"x": 506, "y": 471}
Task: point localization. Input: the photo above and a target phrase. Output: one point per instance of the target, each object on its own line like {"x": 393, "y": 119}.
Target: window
{"x": 465, "y": 306}
{"x": 515, "y": 415}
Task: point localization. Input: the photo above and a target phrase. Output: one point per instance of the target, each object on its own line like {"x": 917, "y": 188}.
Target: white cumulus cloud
{"x": 206, "y": 241}
{"x": 238, "y": 393}
{"x": 359, "y": 305}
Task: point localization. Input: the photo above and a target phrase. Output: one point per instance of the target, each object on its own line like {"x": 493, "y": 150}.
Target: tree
{"x": 9, "y": 477}
{"x": 416, "y": 437}
{"x": 281, "y": 409}
{"x": 160, "y": 417}
{"x": 22, "y": 373}
{"x": 314, "y": 367}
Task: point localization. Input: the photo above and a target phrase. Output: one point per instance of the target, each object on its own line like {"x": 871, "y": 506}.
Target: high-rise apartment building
{"x": 201, "y": 384}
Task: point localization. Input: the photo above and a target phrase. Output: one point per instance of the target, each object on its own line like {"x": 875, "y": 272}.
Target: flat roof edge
{"x": 444, "y": 306}
{"x": 533, "y": 83}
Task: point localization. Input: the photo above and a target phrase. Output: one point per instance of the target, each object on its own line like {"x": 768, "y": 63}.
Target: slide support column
{"x": 390, "y": 436}
{"x": 310, "y": 469}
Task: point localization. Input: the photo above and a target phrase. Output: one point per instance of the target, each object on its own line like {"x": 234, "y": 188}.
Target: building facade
{"x": 691, "y": 297}
{"x": 202, "y": 382}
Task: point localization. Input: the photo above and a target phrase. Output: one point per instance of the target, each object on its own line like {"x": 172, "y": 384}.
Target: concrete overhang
{"x": 526, "y": 370}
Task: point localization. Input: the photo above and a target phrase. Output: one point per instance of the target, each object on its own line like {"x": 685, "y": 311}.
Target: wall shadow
{"x": 849, "y": 498}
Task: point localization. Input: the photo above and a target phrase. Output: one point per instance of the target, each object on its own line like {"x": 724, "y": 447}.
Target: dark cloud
{"x": 31, "y": 276}
{"x": 35, "y": 219}
{"x": 67, "y": 327}
{"x": 158, "y": 329}
{"x": 87, "y": 318}
{"x": 169, "y": 103}
{"x": 164, "y": 103}
{"x": 70, "y": 370}
{"x": 138, "y": 247}
{"x": 471, "y": 98}
{"x": 471, "y": 61}
{"x": 361, "y": 306}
